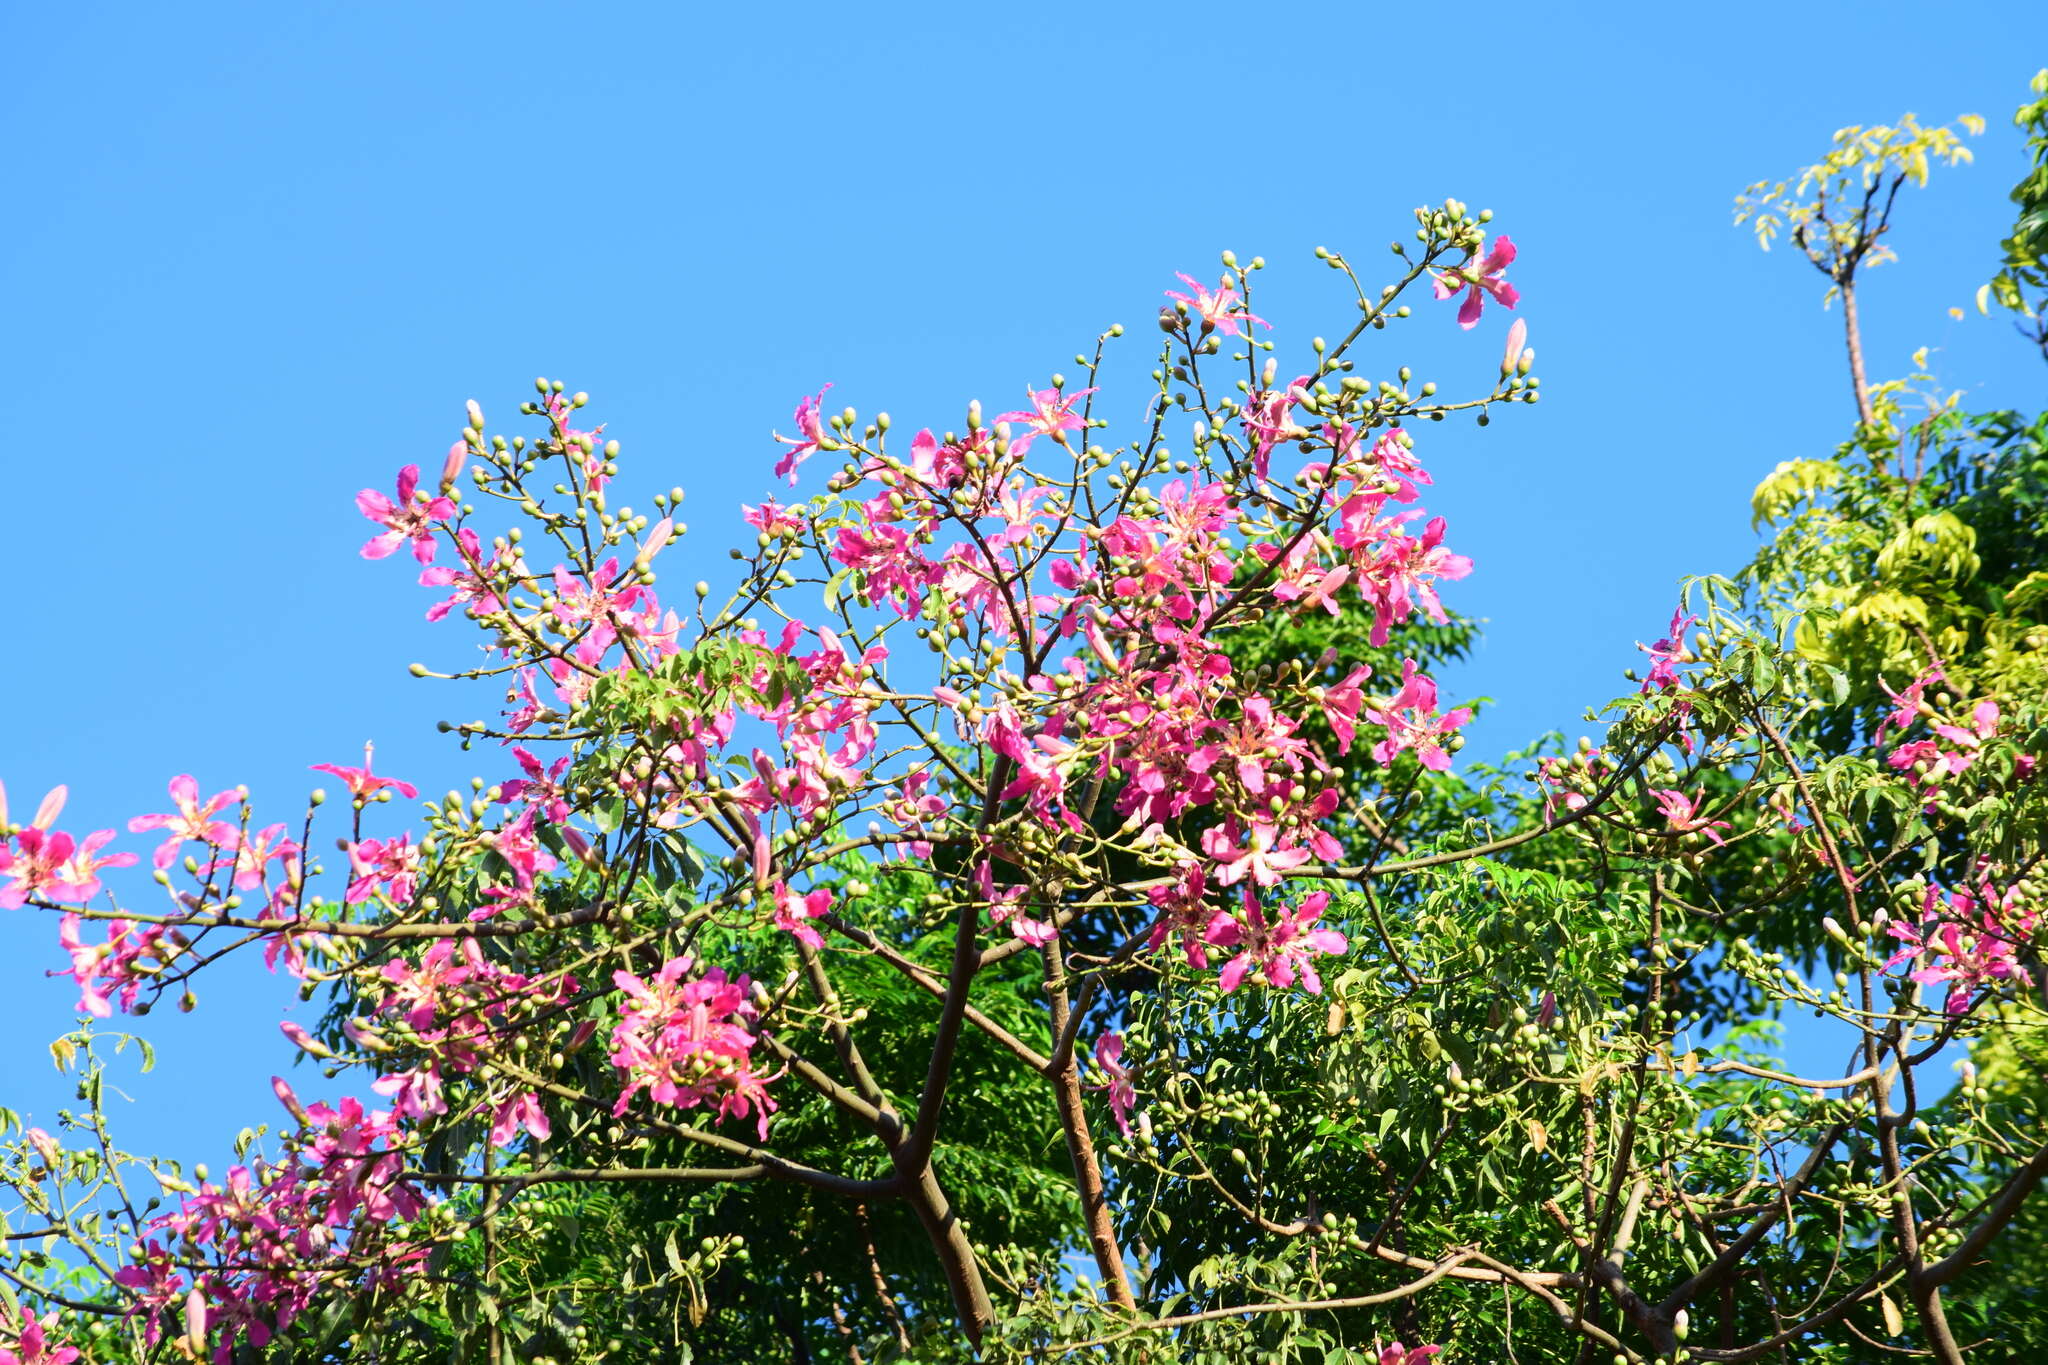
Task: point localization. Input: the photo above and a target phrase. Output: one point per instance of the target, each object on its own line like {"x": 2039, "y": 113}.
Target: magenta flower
{"x": 520, "y": 1111}
{"x": 1340, "y": 705}
{"x": 1222, "y": 310}
{"x": 810, "y": 421}
{"x": 794, "y": 911}
{"x": 32, "y": 1347}
{"x": 362, "y": 783}
{"x": 688, "y": 1043}
{"x": 1257, "y": 857}
{"x": 192, "y": 820}
{"x": 1051, "y": 414}
{"x": 1280, "y": 950}
{"x": 1664, "y": 655}
{"x": 410, "y": 517}
{"x": 1397, "y": 1354}
{"x": 1412, "y": 722}
{"x": 390, "y": 865}
{"x": 1479, "y": 280}
{"x": 36, "y": 864}
{"x": 1109, "y": 1056}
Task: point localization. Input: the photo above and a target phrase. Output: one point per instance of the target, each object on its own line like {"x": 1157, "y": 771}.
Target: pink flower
{"x": 520, "y": 1111}
{"x": 1907, "y": 706}
{"x": 192, "y": 820}
{"x": 1340, "y": 705}
{"x": 794, "y": 911}
{"x": 1478, "y": 280}
{"x": 361, "y": 783}
{"x": 36, "y": 864}
{"x": 1411, "y": 722}
{"x": 1280, "y": 950}
{"x": 1682, "y": 815}
{"x": 1051, "y": 414}
{"x": 389, "y": 865}
{"x": 410, "y": 517}
{"x": 1970, "y": 940}
{"x": 810, "y": 422}
{"x": 1221, "y": 310}
{"x": 473, "y": 588}
{"x": 252, "y": 860}
{"x": 688, "y": 1043}
{"x": 1257, "y": 857}
{"x": 78, "y": 877}
{"x": 32, "y": 1346}
{"x": 1109, "y": 1056}
{"x": 1664, "y": 655}
{"x": 1397, "y": 1354}
{"x": 1005, "y": 906}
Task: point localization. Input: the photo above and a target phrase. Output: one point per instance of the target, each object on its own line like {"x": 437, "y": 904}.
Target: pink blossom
{"x": 36, "y": 864}
{"x": 474, "y": 587}
{"x": 78, "y": 877}
{"x": 1970, "y": 939}
{"x": 1258, "y": 856}
{"x": 1682, "y": 817}
{"x": 192, "y": 820}
{"x": 521, "y": 1111}
{"x": 1109, "y": 1057}
{"x": 387, "y": 865}
{"x": 541, "y": 788}
{"x": 1397, "y": 1354}
{"x": 1051, "y": 414}
{"x": 1412, "y": 722}
{"x": 105, "y": 970}
{"x": 809, "y": 421}
{"x": 795, "y": 910}
{"x": 1222, "y": 310}
{"x": 771, "y": 518}
{"x": 362, "y": 784}
{"x": 1005, "y": 906}
{"x": 1340, "y": 703}
{"x": 1280, "y": 950}
{"x": 688, "y": 1043}
{"x": 253, "y": 858}
{"x": 1907, "y": 706}
{"x": 1480, "y": 279}
{"x": 32, "y": 1345}
{"x": 408, "y": 518}
{"x": 1664, "y": 655}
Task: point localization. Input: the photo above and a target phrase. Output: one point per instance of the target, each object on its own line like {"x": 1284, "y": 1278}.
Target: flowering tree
{"x": 1031, "y": 910}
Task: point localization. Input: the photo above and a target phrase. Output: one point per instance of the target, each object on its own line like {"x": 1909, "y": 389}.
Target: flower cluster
{"x": 685, "y": 1038}
{"x": 1971, "y": 938}
{"x": 449, "y": 1013}
{"x": 245, "y": 1257}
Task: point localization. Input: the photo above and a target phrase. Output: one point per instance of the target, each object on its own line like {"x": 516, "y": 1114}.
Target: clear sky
{"x": 259, "y": 255}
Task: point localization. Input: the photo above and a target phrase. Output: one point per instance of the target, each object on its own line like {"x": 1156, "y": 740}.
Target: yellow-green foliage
{"x": 1836, "y": 209}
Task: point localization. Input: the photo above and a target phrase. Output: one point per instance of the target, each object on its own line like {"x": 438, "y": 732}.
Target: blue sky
{"x": 259, "y": 255}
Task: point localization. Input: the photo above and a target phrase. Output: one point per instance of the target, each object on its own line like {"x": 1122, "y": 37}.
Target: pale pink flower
{"x": 193, "y": 820}
{"x": 1682, "y": 815}
{"x": 1222, "y": 310}
{"x": 1051, "y": 414}
{"x": 362, "y": 783}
